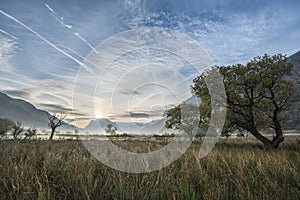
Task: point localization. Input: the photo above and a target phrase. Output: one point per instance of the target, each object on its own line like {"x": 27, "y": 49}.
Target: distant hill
{"x": 26, "y": 113}
{"x": 295, "y": 60}
{"x": 292, "y": 115}
{"x": 153, "y": 127}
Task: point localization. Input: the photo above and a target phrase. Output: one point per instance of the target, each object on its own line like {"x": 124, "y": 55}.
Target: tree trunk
{"x": 52, "y": 134}
{"x": 278, "y": 131}
{"x": 260, "y": 137}
{"x": 270, "y": 143}
{"x": 274, "y": 143}
{"x": 253, "y": 130}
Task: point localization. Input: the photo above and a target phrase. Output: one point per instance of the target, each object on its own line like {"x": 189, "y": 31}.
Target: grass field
{"x": 235, "y": 169}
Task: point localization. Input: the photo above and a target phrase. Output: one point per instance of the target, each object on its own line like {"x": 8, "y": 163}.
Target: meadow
{"x": 235, "y": 169}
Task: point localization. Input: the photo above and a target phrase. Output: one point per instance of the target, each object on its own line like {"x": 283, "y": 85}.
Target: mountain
{"x": 26, "y": 113}
{"x": 152, "y": 127}
{"x": 99, "y": 125}
{"x": 295, "y": 60}
{"x": 291, "y": 115}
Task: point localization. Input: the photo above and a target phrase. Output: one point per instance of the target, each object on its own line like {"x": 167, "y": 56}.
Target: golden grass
{"x": 235, "y": 169}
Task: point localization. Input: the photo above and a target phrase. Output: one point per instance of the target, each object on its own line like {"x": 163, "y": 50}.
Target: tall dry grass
{"x": 235, "y": 169}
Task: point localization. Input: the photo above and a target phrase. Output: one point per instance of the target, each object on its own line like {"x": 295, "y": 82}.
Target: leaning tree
{"x": 256, "y": 94}
{"x": 55, "y": 121}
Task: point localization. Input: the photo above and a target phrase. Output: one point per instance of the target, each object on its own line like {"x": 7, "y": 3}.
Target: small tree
{"x": 56, "y": 120}
{"x": 77, "y": 133}
{"x": 110, "y": 129}
{"x": 17, "y": 130}
{"x": 30, "y": 132}
{"x": 186, "y": 117}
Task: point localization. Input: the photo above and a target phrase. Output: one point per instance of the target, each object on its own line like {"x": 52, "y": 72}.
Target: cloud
{"x": 132, "y": 115}
{"x": 139, "y": 115}
{"x": 131, "y": 92}
{"x": 56, "y": 108}
{"x": 230, "y": 32}
{"x": 7, "y": 50}
{"x": 17, "y": 93}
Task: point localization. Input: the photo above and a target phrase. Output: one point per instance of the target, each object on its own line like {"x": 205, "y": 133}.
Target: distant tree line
{"x": 16, "y": 129}
{"x": 19, "y": 132}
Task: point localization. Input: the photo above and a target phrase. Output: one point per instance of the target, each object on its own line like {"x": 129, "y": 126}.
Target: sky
{"x": 44, "y": 46}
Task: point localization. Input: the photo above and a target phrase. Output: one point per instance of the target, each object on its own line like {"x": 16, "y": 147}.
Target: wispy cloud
{"x": 243, "y": 34}
{"x": 17, "y": 93}
{"x": 131, "y": 92}
{"x": 56, "y": 108}
{"x": 7, "y": 50}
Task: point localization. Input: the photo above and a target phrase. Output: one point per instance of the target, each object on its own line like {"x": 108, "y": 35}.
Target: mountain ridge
{"x": 20, "y": 110}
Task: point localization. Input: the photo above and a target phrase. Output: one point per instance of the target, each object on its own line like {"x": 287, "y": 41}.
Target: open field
{"x": 235, "y": 169}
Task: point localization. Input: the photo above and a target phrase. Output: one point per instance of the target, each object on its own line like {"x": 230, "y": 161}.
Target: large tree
{"x": 256, "y": 93}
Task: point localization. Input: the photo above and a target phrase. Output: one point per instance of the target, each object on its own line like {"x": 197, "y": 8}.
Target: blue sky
{"x": 230, "y": 31}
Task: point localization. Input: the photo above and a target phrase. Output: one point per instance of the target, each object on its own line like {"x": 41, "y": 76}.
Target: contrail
{"x": 10, "y": 35}
{"x": 87, "y": 60}
{"x": 72, "y": 50}
{"x": 86, "y": 42}
{"x": 49, "y": 8}
{"x": 45, "y": 40}
{"x": 78, "y": 54}
{"x": 59, "y": 19}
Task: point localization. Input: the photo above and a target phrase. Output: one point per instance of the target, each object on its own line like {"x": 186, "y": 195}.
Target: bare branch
{"x": 56, "y": 120}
